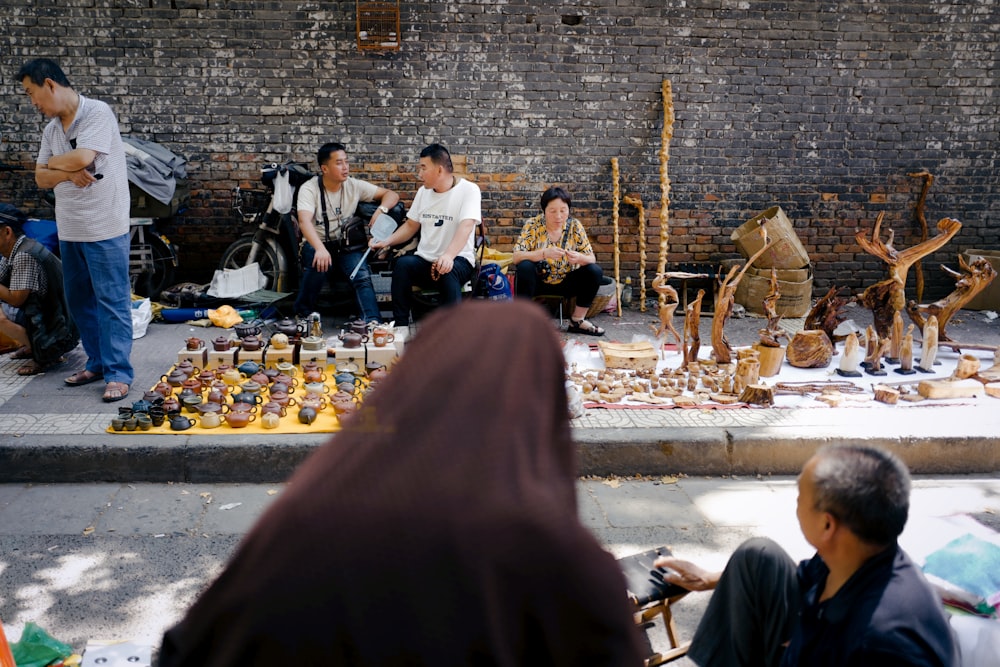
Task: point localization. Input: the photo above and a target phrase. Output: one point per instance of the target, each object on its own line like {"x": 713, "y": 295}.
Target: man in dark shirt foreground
{"x": 859, "y": 601}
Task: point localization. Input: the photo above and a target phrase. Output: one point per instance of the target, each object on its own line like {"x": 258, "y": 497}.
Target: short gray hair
{"x": 866, "y": 488}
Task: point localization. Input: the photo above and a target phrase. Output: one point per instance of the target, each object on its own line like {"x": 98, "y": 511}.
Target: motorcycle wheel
{"x": 269, "y": 257}
{"x": 150, "y": 283}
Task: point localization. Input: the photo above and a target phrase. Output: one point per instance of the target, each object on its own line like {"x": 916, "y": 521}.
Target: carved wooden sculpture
{"x": 971, "y": 281}
{"x": 930, "y": 342}
{"x": 873, "y": 362}
{"x": 725, "y": 299}
{"x": 906, "y": 353}
{"x": 616, "y": 196}
{"x": 668, "y": 304}
{"x": 692, "y": 337}
{"x": 828, "y": 312}
{"x": 895, "y": 338}
{"x": 665, "y": 136}
{"x": 771, "y": 334}
{"x": 922, "y": 220}
{"x": 636, "y": 201}
{"x": 887, "y": 296}
{"x": 851, "y": 358}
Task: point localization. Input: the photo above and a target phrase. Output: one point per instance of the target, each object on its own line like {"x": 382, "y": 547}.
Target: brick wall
{"x": 820, "y": 107}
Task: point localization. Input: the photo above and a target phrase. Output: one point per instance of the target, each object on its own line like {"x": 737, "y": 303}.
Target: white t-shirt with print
{"x": 439, "y": 214}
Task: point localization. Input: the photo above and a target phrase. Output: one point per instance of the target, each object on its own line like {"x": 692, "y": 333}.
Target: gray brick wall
{"x": 820, "y": 107}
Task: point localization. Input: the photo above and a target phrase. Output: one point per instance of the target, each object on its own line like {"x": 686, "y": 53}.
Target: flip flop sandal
{"x": 22, "y": 353}
{"x": 30, "y": 368}
{"x": 585, "y": 327}
{"x": 80, "y": 378}
{"x": 115, "y": 391}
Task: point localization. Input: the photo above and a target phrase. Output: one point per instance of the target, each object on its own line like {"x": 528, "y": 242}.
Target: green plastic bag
{"x": 37, "y": 648}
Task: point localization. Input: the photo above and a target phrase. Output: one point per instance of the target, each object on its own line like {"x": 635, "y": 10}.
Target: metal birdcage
{"x": 378, "y": 26}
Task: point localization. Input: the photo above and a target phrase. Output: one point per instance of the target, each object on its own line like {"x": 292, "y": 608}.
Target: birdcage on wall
{"x": 378, "y": 26}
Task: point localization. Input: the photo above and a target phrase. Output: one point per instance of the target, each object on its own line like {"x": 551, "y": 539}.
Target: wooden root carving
{"x": 828, "y": 312}
{"x": 669, "y": 301}
{"x": 692, "y": 336}
{"x": 771, "y": 335}
{"x": 972, "y": 280}
{"x": 725, "y": 300}
{"x": 888, "y": 296}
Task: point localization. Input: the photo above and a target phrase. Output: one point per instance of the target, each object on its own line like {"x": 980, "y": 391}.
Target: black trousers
{"x": 752, "y": 610}
{"x": 581, "y": 282}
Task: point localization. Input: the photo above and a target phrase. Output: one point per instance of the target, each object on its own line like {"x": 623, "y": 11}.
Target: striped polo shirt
{"x": 99, "y": 211}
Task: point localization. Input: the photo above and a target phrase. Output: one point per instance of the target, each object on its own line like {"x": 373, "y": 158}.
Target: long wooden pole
{"x": 665, "y": 137}
{"x": 636, "y": 201}
{"x": 616, "y": 189}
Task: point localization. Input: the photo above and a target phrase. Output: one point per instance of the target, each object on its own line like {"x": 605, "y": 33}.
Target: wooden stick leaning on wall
{"x": 616, "y": 191}
{"x": 922, "y": 221}
{"x": 665, "y": 137}
{"x": 636, "y": 201}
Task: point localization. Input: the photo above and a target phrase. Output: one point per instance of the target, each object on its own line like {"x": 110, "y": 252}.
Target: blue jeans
{"x": 95, "y": 276}
{"x": 344, "y": 262}
{"x": 412, "y": 270}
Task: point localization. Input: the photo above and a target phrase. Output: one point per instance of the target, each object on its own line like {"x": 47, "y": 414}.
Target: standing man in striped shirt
{"x": 82, "y": 158}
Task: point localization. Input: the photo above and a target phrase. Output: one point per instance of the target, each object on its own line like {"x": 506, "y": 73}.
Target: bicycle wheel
{"x": 151, "y": 282}
{"x": 267, "y": 255}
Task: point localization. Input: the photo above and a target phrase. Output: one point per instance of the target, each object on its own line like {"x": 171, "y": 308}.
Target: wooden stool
{"x": 651, "y": 596}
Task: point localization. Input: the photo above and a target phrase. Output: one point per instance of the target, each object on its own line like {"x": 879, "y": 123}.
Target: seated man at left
{"x": 33, "y": 311}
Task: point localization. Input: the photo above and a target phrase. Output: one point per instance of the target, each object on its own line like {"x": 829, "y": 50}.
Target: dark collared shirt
{"x": 886, "y": 614}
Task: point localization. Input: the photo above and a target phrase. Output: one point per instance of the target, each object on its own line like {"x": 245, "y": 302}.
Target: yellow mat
{"x": 326, "y": 419}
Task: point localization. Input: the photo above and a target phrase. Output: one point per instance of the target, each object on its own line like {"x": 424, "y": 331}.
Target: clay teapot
{"x": 219, "y": 385}
{"x": 352, "y": 339}
{"x": 221, "y": 344}
{"x": 142, "y": 405}
{"x": 241, "y": 406}
{"x": 270, "y": 372}
{"x": 171, "y": 404}
{"x": 194, "y": 343}
{"x": 194, "y": 384}
{"x": 290, "y": 327}
{"x": 179, "y": 422}
{"x": 206, "y": 377}
{"x": 247, "y": 397}
{"x": 313, "y": 376}
{"x": 185, "y": 366}
{"x": 313, "y": 343}
{"x": 239, "y": 419}
{"x": 273, "y": 407}
{"x": 286, "y": 379}
{"x": 175, "y": 378}
{"x": 358, "y": 326}
{"x": 210, "y": 420}
{"x": 343, "y": 405}
{"x": 232, "y": 377}
{"x": 378, "y": 374}
{"x": 154, "y": 397}
{"x": 244, "y": 329}
{"x": 251, "y": 343}
{"x": 270, "y": 420}
{"x": 307, "y": 414}
{"x": 249, "y": 367}
{"x": 279, "y": 387}
{"x": 279, "y": 341}
{"x": 314, "y": 401}
{"x": 211, "y": 406}
{"x": 215, "y": 396}
{"x": 282, "y": 398}
{"x": 316, "y": 388}
{"x": 163, "y": 388}
{"x": 260, "y": 378}
{"x": 311, "y": 365}
{"x": 250, "y": 386}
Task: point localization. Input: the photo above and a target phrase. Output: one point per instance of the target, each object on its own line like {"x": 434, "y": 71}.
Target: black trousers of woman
{"x": 581, "y": 283}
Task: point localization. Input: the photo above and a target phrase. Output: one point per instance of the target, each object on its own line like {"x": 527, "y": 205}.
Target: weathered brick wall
{"x": 820, "y": 107}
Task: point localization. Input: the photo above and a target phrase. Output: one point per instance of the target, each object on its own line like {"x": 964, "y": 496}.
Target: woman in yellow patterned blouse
{"x": 553, "y": 249}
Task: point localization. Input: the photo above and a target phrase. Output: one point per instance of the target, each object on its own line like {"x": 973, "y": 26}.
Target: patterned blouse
{"x": 535, "y": 237}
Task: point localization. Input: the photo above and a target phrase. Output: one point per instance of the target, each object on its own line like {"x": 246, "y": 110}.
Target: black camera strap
{"x": 322, "y": 203}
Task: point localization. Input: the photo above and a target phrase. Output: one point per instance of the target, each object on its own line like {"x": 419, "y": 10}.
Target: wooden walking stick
{"x": 616, "y": 190}
{"x": 665, "y": 137}
{"x": 636, "y": 201}
{"x": 918, "y": 265}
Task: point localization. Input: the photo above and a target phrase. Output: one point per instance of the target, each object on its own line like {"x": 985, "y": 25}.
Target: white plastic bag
{"x": 282, "y": 192}
{"x": 142, "y": 315}
{"x": 232, "y": 283}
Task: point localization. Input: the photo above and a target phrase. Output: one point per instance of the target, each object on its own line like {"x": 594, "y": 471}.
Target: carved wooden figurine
{"x": 895, "y": 339}
{"x": 851, "y": 358}
{"x": 906, "y": 353}
{"x": 726, "y": 299}
{"x": 971, "y": 281}
{"x": 668, "y": 304}
{"x": 771, "y": 335}
{"x": 828, "y": 312}
{"x": 692, "y": 337}
{"x": 887, "y": 296}
{"x": 930, "y": 343}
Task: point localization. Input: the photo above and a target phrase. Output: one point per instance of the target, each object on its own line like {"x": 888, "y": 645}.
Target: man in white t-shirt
{"x": 325, "y": 206}
{"x": 445, "y": 210}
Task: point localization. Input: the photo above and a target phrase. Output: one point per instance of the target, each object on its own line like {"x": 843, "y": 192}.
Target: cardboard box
{"x": 144, "y": 205}
{"x": 796, "y": 294}
{"x": 787, "y": 252}
{"x": 989, "y": 298}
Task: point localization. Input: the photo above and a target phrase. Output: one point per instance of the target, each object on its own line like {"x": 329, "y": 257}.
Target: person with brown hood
{"x": 439, "y": 527}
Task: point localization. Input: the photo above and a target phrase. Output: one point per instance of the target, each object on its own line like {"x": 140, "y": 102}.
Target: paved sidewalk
{"x": 52, "y": 432}
{"x": 123, "y": 561}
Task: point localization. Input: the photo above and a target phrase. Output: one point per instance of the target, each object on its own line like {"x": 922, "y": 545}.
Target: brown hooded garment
{"x": 439, "y": 527}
